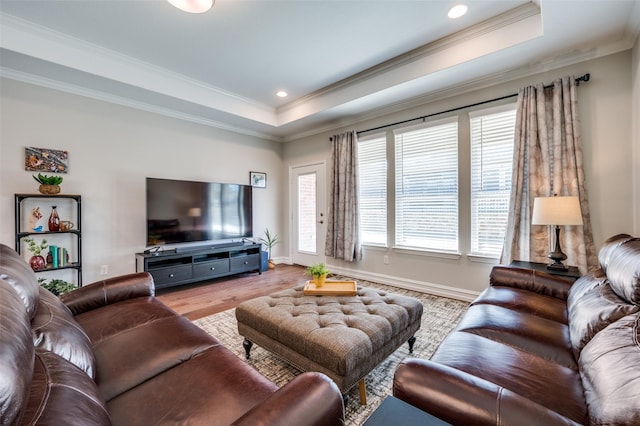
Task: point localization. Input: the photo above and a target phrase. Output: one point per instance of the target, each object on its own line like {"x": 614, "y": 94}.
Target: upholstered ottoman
{"x": 344, "y": 337}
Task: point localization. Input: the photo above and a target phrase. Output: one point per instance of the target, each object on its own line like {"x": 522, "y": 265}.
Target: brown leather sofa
{"x": 111, "y": 353}
{"x": 534, "y": 349}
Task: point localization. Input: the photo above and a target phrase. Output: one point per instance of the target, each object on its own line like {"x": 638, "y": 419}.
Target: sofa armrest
{"x": 112, "y": 290}
{"x": 463, "y": 399}
{"x": 527, "y": 279}
{"x": 310, "y": 399}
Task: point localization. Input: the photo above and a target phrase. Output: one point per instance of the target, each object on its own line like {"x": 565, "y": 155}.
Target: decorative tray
{"x": 331, "y": 288}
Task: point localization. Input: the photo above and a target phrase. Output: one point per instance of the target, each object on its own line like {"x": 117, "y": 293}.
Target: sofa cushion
{"x": 609, "y": 247}
{"x": 62, "y": 394}
{"x": 16, "y": 355}
{"x": 610, "y": 369}
{"x": 17, "y": 273}
{"x": 54, "y": 329}
{"x": 594, "y": 309}
{"x": 624, "y": 271}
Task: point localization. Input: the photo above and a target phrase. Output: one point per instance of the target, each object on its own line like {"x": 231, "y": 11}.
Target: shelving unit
{"x": 171, "y": 268}
{"x": 70, "y": 208}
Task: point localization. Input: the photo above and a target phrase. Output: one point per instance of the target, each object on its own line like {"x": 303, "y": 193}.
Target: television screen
{"x": 181, "y": 211}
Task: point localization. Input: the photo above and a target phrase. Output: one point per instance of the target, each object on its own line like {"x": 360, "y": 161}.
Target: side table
{"x": 396, "y": 412}
{"x": 570, "y": 274}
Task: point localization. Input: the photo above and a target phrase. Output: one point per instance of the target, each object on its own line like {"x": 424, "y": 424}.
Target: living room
{"x": 114, "y": 147}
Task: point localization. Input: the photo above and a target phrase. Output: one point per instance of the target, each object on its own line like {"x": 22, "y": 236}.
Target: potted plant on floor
{"x": 269, "y": 240}
{"x": 56, "y": 286}
{"x": 319, "y": 272}
{"x": 36, "y": 261}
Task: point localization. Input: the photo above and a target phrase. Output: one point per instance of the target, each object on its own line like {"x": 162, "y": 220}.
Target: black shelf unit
{"x": 172, "y": 268}
{"x": 77, "y": 231}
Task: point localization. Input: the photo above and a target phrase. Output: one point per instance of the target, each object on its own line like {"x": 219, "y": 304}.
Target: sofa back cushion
{"x": 609, "y": 247}
{"x": 592, "y": 305}
{"x": 623, "y": 271}
{"x": 17, "y": 273}
{"x": 16, "y": 355}
{"x": 610, "y": 370}
{"x": 55, "y": 329}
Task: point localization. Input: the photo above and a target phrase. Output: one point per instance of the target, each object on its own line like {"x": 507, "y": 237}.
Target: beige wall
{"x": 605, "y": 111}
{"x": 111, "y": 150}
{"x": 635, "y": 122}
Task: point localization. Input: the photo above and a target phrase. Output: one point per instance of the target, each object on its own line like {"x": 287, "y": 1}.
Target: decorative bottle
{"x": 54, "y": 220}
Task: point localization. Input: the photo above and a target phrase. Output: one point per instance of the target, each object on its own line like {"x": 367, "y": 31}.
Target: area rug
{"x": 440, "y": 316}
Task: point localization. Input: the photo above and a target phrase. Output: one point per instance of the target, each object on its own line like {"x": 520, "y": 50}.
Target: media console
{"x": 173, "y": 268}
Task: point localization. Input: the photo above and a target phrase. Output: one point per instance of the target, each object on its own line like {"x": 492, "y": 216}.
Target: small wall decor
{"x": 48, "y": 160}
{"x": 258, "y": 179}
{"x": 34, "y": 217}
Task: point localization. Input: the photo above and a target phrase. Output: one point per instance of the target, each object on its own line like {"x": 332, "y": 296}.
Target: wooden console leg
{"x": 363, "y": 391}
{"x": 411, "y": 341}
{"x": 247, "y": 344}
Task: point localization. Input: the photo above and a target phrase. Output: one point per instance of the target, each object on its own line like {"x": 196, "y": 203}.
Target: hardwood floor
{"x": 209, "y": 297}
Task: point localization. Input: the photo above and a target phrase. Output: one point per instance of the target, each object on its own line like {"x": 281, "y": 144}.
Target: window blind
{"x": 427, "y": 186}
{"x": 492, "y": 138}
{"x": 372, "y": 167}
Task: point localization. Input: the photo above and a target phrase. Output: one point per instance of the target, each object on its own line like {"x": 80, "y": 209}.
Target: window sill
{"x": 424, "y": 252}
{"x": 483, "y": 258}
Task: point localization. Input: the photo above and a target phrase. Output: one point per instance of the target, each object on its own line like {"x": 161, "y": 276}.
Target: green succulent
{"x": 57, "y": 287}
{"x": 47, "y": 180}
{"x": 317, "y": 270}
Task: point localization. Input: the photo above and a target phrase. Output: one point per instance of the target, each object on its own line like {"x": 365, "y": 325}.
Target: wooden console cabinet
{"x": 171, "y": 268}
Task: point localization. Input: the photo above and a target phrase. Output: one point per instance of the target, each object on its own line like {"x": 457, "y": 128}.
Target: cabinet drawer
{"x": 164, "y": 277}
{"x": 249, "y": 262}
{"x": 211, "y": 269}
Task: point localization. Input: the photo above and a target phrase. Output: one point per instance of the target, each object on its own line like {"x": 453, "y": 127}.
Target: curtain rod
{"x": 584, "y": 78}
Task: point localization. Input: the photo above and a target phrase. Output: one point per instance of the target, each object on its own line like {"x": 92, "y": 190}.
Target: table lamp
{"x": 556, "y": 211}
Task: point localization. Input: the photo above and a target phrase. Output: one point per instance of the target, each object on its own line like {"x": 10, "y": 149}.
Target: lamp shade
{"x": 556, "y": 211}
{"x": 195, "y": 212}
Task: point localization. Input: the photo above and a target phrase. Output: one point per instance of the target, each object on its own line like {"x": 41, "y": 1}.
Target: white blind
{"x": 372, "y": 181}
{"x": 427, "y": 186}
{"x": 492, "y": 138}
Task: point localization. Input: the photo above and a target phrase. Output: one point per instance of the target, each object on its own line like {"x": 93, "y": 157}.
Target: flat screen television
{"x": 180, "y": 211}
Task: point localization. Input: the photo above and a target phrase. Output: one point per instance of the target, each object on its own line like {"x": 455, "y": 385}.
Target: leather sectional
{"x": 111, "y": 353}
{"x": 534, "y": 349}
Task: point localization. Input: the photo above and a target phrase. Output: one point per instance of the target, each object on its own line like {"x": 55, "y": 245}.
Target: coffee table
{"x": 344, "y": 337}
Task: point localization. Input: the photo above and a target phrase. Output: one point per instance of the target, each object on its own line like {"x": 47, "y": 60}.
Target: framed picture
{"x": 258, "y": 179}
{"x": 46, "y": 160}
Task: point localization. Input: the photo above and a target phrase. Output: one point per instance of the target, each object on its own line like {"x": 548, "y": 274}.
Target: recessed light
{"x": 193, "y": 6}
{"x": 457, "y": 11}
{"x": 282, "y": 94}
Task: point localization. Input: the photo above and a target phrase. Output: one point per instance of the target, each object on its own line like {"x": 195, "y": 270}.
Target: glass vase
{"x": 54, "y": 220}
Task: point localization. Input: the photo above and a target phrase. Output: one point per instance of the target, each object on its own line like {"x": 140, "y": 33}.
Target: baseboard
{"x": 407, "y": 284}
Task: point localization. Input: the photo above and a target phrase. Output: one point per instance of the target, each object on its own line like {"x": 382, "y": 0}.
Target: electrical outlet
{"x": 385, "y": 259}
{"x": 104, "y": 269}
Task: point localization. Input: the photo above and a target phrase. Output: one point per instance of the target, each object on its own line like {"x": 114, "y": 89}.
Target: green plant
{"x": 34, "y": 248}
{"x": 47, "y": 180}
{"x": 317, "y": 270}
{"x": 57, "y": 286}
{"x": 269, "y": 240}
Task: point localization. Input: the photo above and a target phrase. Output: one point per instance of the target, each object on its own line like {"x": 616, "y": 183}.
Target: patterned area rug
{"x": 440, "y": 316}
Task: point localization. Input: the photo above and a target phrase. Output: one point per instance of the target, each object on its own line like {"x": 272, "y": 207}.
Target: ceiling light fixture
{"x": 193, "y": 6}
{"x": 457, "y": 11}
{"x": 281, "y": 94}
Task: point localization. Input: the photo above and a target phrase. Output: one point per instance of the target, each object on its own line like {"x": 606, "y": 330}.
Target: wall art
{"x": 46, "y": 160}
{"x": 258, "y": 179}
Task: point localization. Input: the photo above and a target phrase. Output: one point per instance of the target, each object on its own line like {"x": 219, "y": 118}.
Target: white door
{"x": 308, "y": 214}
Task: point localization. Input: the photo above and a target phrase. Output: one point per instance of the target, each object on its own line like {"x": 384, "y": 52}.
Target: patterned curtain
{"x": 343, "y": 239}
{"x": 548, "y": 161}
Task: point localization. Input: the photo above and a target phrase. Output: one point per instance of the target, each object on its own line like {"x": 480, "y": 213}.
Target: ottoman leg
{"x": 247, "y": 344}
{"x": 411, "y": 341}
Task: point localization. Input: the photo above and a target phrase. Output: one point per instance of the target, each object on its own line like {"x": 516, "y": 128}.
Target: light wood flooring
{"x": 209, "y": 297}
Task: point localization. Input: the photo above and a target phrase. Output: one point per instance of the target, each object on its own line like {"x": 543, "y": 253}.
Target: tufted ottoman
{"x": 344, "y": 337}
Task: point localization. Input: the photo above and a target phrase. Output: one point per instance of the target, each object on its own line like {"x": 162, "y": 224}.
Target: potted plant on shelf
{"x": 56, "y": 286}
{"x": 36, "y": 261}
{"x": 319, "y": 272}
{"x": 269, "y": 240}
{"x": 49, "y": 185}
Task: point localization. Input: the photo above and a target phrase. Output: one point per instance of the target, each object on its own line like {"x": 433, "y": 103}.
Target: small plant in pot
{"x": 36, "y": 262}
{"x": 269, "y": 240}
{"x": 56, "y": 286}
{"x": 319, "y": 272}
{"x": 49, "y": 185}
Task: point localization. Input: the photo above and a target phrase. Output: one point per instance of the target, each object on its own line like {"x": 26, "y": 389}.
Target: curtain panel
{"x": 547, "y": 161}
{"x": 343, "y": 239}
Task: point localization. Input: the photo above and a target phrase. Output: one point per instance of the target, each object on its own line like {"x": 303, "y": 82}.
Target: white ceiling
{"x": 338, "y": 59}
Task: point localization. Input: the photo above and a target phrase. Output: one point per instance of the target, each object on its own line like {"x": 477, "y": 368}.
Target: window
{"x": 492, "y": 134}
{"x": 427, "y": 186}
{"x": 372, "y": 167}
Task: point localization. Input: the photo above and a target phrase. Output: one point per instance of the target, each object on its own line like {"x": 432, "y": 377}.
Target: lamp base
{"x": 557, "y": 266}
